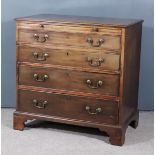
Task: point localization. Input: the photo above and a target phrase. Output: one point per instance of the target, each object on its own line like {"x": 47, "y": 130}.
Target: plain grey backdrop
{"x": 138, "y": 9}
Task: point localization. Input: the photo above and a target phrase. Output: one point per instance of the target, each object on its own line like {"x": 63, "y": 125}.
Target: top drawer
{"x": 62, "y": 35}
{"x": 59, "y": 27}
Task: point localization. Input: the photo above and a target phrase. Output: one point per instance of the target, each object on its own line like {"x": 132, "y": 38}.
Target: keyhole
{"x": 67, "y": 53}
{"x": 41, "y": 25}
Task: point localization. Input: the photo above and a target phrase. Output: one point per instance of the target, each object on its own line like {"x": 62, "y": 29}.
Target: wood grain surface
{"x": 77, "y": 40}
{"x": 69, "y": 107}
{"x": 71, "y": 57}
{"x": 82, "y": 20}
{"x": 69, "y": 80}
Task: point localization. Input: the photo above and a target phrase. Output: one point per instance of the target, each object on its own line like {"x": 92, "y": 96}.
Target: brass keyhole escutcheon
{"x": 95, "y": 29}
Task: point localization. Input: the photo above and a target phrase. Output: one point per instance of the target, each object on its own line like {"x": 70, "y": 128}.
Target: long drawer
{"x": 71, "y": 107}
{"x": 99, "y": 60}
{"x": 70, "y": 80}
{"x": 78, "y": 40}
{"x": 66, "y": 27}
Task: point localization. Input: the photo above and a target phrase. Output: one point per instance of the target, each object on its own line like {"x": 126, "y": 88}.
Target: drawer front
{"x": 71, "y": 107}
{"x": 78, "y": 40}
{"x": 74, "y": 28}
{"x": 100, "y": 60}
{"x": 69, "y": 80}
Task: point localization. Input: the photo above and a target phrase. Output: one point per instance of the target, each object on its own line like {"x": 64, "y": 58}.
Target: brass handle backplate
{"x": 96, "y": 62}
{"x": 90, "y": 84}
{"x": 39, "y": 78}
{"x": 97, "y": 110}
{"x": 40, "y": 38}
{"x": 40, "y": 105}
{"x": 41, "y": 56}
{"x": 98, "y": 44}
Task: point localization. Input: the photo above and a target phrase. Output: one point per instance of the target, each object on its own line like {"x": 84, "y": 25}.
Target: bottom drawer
{"x": 71, "y": 107}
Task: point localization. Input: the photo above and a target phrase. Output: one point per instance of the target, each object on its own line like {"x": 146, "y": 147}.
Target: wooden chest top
{"x": 83, "y": 20}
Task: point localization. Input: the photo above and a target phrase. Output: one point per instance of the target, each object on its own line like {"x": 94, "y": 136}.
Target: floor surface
{"x": 45, "y": 138}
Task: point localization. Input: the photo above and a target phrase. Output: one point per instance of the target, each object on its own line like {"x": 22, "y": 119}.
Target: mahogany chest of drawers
{"x": 78, "y": 70}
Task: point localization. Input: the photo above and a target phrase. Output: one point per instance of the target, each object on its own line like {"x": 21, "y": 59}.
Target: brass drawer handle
{"x": 90, "y": 84}
{"x": 97, "y": 110}
{"x": 98, "y": 44}
{"x": 40, "y": 105}
{"x": 40, "y": 78}
{"x": 41, "y": 57}
{"x": 40, "y": 39}
{"x": 96, "y": 62}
